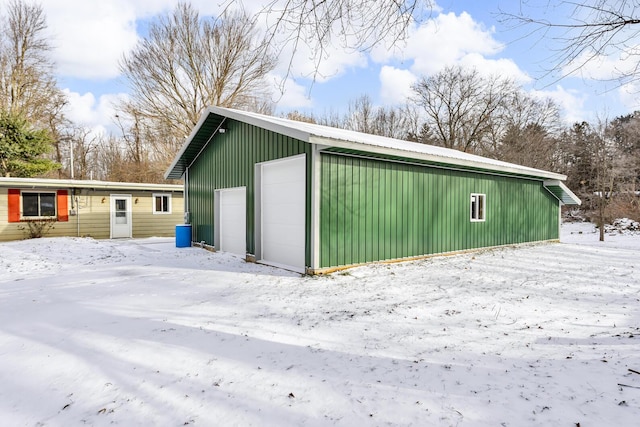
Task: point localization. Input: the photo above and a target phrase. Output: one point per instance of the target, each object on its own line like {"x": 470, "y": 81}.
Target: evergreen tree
{"x": 22, "y": 147}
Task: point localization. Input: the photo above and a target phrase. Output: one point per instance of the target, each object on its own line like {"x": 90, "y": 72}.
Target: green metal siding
{"x": 229, "y": 161}
{"x": 373, "y": 210}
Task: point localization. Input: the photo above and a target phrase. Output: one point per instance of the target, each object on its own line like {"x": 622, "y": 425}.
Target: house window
{"x": 37, "y": 205}
{"x": 478, "y": 207}
{"x": 162, "y": 203}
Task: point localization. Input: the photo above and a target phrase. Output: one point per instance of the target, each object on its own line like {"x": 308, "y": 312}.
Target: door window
{"x": 121, "y": 211}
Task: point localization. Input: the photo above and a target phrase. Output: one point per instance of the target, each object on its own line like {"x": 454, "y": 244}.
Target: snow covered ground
{"x": 140, "y": 333}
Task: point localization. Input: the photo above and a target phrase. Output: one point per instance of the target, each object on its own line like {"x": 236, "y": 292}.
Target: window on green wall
{"x": 478, "y": 207}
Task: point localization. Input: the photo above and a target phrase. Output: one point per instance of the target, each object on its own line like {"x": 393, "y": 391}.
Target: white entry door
{"x": 120, "y": 216}
{"x": 283, "y": 213}
{"x": 233, "y": 220}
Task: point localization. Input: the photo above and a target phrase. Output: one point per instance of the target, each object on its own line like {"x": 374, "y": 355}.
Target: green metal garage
{"x": 312, "y": 198}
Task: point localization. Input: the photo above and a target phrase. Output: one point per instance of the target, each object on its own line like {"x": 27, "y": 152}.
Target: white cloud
{"x": 495, "y": 67}
{"x": 291, "y": 95}
{"x": 307, "y": 62}
{"x": 334, "y": 62}
{"x": 395, "y": 84}
{"x": 96, "y": 114}
{"x": 605, "y": 67}
{"x": 444, "y": 40}
{"x": 628, "y": 94}
{"x": 572, "y": 103}
{"x": 90, "y": 37}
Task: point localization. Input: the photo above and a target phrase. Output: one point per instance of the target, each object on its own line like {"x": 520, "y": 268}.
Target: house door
{"x": 120, "y": 216}
{"x": 282, "y": 213}
{"x": 231, "y": 226}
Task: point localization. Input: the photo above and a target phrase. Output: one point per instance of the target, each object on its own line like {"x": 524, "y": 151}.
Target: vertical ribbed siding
{"x": 229, "y": 161}
{"x": 373, "y": 210}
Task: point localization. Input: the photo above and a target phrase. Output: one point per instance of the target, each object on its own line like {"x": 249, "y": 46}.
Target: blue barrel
{"x": 183, "y": 235}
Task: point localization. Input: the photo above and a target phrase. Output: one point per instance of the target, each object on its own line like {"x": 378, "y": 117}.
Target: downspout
{"x": 315, "y": 208}
{"x": 185, "y": 197}
{"x": 77, "y": 214}
{"x": 187, "y": 219}
{"x": 559, "y": 219}
{"x": 76, "y": 209}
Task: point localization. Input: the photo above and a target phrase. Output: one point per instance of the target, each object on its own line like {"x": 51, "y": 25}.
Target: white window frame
{"x": 37, "y": 217}
{"x": 478, "y": 207}
{"x": 153, "y": 203}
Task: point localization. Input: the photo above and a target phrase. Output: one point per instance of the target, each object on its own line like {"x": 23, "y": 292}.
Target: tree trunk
{"x": 601, "y": 216}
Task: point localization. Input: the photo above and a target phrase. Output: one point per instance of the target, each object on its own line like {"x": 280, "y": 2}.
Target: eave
{"x": 214, "y": 117}
{"x": 90, "y": 184}
{"x": 562, "y": 192}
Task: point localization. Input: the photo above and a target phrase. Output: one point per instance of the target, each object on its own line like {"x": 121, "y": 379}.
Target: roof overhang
{"x": 91, "y": 184}
{"x": 562, "y": 192}
{"x": 210, "y": 123}
{"x": 214, "y": 117}
{"x": 475, "y": 163}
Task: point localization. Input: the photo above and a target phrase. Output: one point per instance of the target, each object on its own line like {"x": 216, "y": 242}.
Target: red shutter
{"x": 63, "y": 206}
{"x": 14, "y": 205}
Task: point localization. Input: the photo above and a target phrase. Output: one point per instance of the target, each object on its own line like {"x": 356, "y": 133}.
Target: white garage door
{"x": 233, "y": 220}
{"x": 283, "y": 213}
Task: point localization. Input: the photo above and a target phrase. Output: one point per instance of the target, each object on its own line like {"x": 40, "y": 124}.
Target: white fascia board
{"x": 187, "y": 141}
{"x": 496, "y": 166}
{"x": 570, "y": 194}
{"x": 341, "y": 138}
{"x": 264, "y": 122}
{"x": 75, "y": 183}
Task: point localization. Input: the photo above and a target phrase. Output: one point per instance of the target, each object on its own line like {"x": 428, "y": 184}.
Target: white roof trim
{"x": 325, "y": 135}
{"x": 568, "y": 196}
{"x": 491, "y": 165}
{"x": 187, "y": 141}
{"x": 76, "y": 183}
{"x": 333, "y": 137}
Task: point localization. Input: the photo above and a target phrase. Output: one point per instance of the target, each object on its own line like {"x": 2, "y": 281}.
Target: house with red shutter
{"x": 98, "y": 209}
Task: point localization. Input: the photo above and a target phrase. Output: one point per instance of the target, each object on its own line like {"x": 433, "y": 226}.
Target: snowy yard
{"x": 141, "y": 333}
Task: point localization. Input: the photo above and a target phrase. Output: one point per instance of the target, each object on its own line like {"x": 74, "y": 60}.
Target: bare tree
{"x": 523, "y": 110}
{"x": 393, "y": 122}
{"x": 113, "y": 164}
{"x": 363, "y": 116}
{"x": 528, "y": 132}
{"x": 604, "y": 173}
{"x": 187, "y": 63}
{"x": 596, "y": 168}
{"x": 581, "y": 32}
{"x": 28, "y": 87}
{"x": 461, "y": 107}
{"x": 79, "y": 149}
{"x": 625, "y": 134}
{"x": 531, "y": 145}
{"x": 300, "y": 117}
{"x": 27, "y": 83}
{"x": 145, "y": 147}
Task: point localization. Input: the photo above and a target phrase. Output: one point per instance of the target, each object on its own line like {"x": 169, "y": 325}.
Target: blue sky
{"x": 90, "y": 37}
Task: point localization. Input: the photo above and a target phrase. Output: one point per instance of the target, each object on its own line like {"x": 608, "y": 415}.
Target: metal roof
{"x": 76, "y": 183}
{"x": 213, "y": 118}
{"x": 562, "y": 192}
